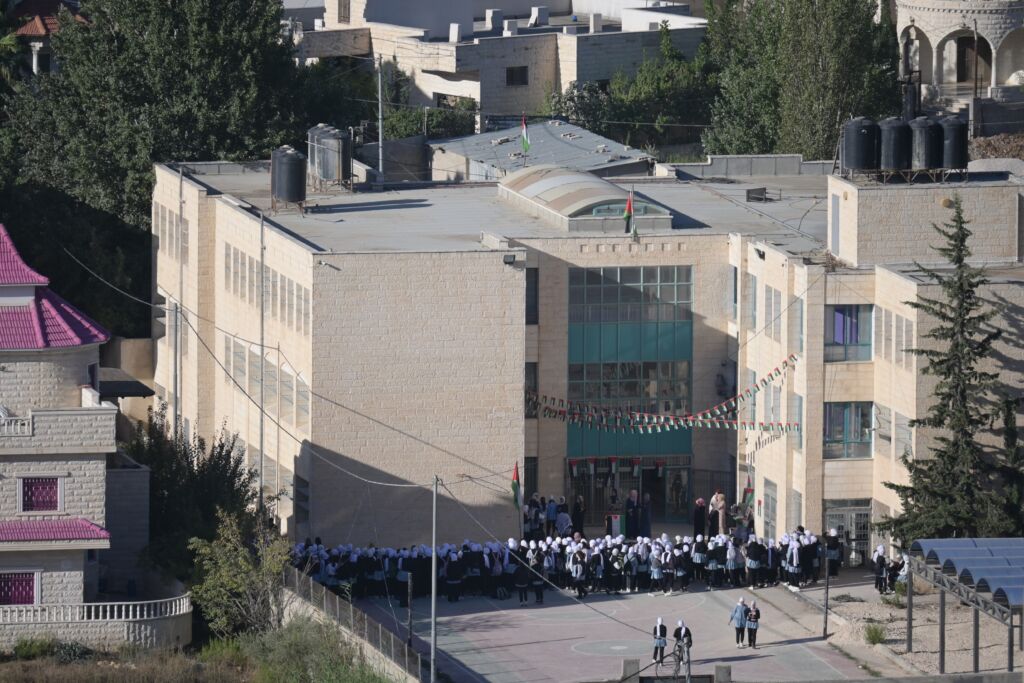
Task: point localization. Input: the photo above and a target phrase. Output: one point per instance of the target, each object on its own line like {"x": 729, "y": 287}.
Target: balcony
{"x": 102, "y": 625}
{"x": 62, "y": 430}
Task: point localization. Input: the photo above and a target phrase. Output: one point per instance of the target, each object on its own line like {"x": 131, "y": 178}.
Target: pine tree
{"x": 1010, "y": 467}
{"x": 946, "y": 496}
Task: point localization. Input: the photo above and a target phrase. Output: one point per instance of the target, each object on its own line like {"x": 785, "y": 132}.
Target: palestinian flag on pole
{"x": 524, "y": 137}
{"x": 628, "y": 213}
{"x": 515, "y": 486}
{"x": 748, "y": 494}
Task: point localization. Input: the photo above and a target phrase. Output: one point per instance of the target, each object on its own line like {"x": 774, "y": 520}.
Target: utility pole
{"x": 181, "y": 297}
{"x": 976, "y": 59}
{"x": 380, "y": 116}
{"x": 408, "y": 599}
{"x": 263, "y": 351}
{"x": 425, "y": 121}
{"x": 828, "y": 575}
{"x": 433, "y": 588}
{"x": 177, "y": 362}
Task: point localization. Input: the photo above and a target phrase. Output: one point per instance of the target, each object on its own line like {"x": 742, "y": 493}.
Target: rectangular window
{"x": 532, "y": 313}
{"x": 287, "y": 397}
{"x": 18, "y": 588}
{"x": 290, "y": 303}
{"x": 887, "y": 337}
{"x": 243, "y": 283}
{"x": 751, "y": 381}
{"x": 517, "y": 75}
{"x": 908, "y": 345}
{"x": 735, "y": 291}
{"x": 647, "y": 294}
{"x": 531, "y": 386}
{"x": 776, "y": 403}
{"x": 270, "y": 391}
{"x": 797, "y": 317}
{"x": 752, "y": 281}
{"x": 301, "y": 404}
{"x": 847, "y": 333}
{"x": 238, "y": 362}
{"x": 273, "y": 294}
{"x": 847, "y": 430}
{"x": 162, "y": 219}
{"x": 879, "y": 323}
{"x": 252, "y": 280}
{"x": 796, "y": 415}
{"x": 184, "y": 241}
{"x": 40, "y": 494}
{"x": 655, "y": 386}
{"x": 227, "y": 360}
{"x": 777, "y": 320}
{"x": 227, "y": 267}
{"x": 769, "y": 313}
{"x": 898, "y": 337}
{"x": 254, "y": 374}
{"x": 307, "y": 322}
{"x": 904, "y": 436}
{"x": 883, "y": 425}
{"x": 185, "y": 329}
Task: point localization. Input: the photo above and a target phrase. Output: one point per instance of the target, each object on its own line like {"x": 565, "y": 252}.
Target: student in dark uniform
{"x": 535, "y": 558}
{"x": 660, "y": 641}
{"x": 683, "y": 637}
{"x": 753, "y": 617}
{"x": 454, "y": 572}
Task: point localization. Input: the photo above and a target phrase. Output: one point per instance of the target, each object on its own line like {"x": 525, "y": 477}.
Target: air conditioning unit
{"x": 500, "y": 141}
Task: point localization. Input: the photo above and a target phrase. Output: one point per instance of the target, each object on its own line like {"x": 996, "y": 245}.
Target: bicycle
{"x": 678, "y": 661}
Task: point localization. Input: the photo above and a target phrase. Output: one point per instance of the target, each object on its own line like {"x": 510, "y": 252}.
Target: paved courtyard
{"x": 488, "y": 640}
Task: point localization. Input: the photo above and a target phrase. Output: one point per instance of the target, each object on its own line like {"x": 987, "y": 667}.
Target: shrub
{"x": 67, "y": 653}
{"x": 224, "y": 651}
{"x": 846, "y": 597}
{"x": 34, "y": 648}
{"x": 874, "y": 634}
{"x": 901, "y": 589}
{"x": 305, "y": 651}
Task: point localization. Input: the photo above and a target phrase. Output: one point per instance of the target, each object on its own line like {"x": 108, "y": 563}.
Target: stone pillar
{"x": 539, "y": 15}
{"x": 454, "y": 33}
{"x": 494, "y": 17}
{"x": 596, "y": 23}
{"x": 36, "y": 47}
{"x": 511, "y": 28}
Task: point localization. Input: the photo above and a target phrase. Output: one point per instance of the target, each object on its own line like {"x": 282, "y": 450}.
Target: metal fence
{"x": 355, "y": 620}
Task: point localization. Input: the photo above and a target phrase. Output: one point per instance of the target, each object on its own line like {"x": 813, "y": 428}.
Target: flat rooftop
{"x": 446, "y": 217}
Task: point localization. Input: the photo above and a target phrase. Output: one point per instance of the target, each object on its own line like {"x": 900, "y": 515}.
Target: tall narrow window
{"x": 531, "y": 386}
{"x": 777, "y": 315}
{"x": 769, "y": 314}
{"x": 834, "y": 246}
{"x": 798, "y": 323}
{"x": 301, "y": 404}
{"x": 287, "y": 397}
{"x": 273, "y": 294}
{"x": 904, "y": 436}
{"x": 184, "y": 241}
{"x": 227, "y": 267}
{"x": 796, "y": 415}
{"x": 270, "y": 390}
{"x": 735, "y": 291}
{"x": 752, "y": 281}
{"x": 532, "y": 312}
{"x": 227, "y": 360}
{"x": 887, "y": 337}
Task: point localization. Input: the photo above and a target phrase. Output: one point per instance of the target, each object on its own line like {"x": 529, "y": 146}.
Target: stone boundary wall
{"x": 174, "y": 631}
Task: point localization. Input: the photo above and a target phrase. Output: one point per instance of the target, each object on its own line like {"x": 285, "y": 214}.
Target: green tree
{"x": 1010, "y": 469}
{"x": 11, "y": 50}
{"x": 240, "y": 586}
{"x": 337, "y": 92}
{"x": 190, "y": 486}
{"x": 404, "y": 122}
{"x": 148, "y": 80}
{"x": 949, "y": 492}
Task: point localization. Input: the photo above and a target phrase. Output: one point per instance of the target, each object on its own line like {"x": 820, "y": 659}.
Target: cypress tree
{"x": 1010, "y": 468}
{"x": 947, "y": 495}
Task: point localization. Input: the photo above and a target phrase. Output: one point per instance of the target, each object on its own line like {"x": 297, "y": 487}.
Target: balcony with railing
{"x": 103, "y": 625}
{"x": 61, "y": 430}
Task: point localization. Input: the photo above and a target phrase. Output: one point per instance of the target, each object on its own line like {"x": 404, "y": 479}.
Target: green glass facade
{"x": 630, "y": 344}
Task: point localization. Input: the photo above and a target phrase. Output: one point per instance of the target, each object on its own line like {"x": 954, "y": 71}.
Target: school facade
{"x": 402, "y": 331}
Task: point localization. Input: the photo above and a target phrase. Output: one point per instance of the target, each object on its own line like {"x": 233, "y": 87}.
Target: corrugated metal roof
{"x": 991, "y": 565}
{"x": 551, "y": 142}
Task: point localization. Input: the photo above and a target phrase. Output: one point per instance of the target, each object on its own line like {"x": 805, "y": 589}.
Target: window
{"x": 648, "y": 294}
{"x": 904, "y": 436}
{"x": 879, "y": 322}
{"x": 776, "y": 403}
{"x": 301, "y": 404}
{"x": 847, "y": 333}
{"x": 532, "y": 275}
{"x": 273, "y": 294}
{"x": 184, "y": 241}
{"x": 908, "y": 345}
{"x": 183, "y": 339}
{"x": 162, "y": 220}
{"x": 254, "y": 374}
{"x": 797, "y": 321}
{"x": 794, "y": 509}
{"x": 887, "y": 336}
{"x": 238, "y": 362}
{"x": 287, "y": 397}
{"x": 777, "y": 317}
{"x": 752, "y": 403}
{"x": 289, "y": 318}
{"x": 18, "y": 588}
{"x": 735, "y": 292}
{"x": 243, "y": 286}
{"x": 769, "y": 313}
{"x": 531, "y": 385}
{"x": 752, "y": 281}
{"x": 227, "y": 267}
{"x": 898, "y": 337}
{"x": 883, "y": 424}
{"x": 227, "y": 360}
{"x": 344, "y": 10}
{"x": 796, "y": 415}
{"x": 270, "y": 390}
{"x": 655, "y": 387}
{"x": 847, "y": 430}
{"x": 252, "y": 280}
{"x": 517, "y": 75}
{"x": 306, "y": 312}
{"x": 40, "y": 494}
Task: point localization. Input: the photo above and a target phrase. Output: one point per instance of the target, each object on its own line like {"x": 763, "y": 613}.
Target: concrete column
{"x": 994, "y": 80}
{"x": 539, "y": 15}
{"x": 494, "y": 17}
{"x": 511, "y": 28}
{"x": 454, "y": 33}
{"x": 36, "y": 47}
{"x": 596, "y": 23}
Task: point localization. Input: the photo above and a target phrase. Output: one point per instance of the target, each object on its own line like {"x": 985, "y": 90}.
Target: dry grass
{"x": 158, "y": 667}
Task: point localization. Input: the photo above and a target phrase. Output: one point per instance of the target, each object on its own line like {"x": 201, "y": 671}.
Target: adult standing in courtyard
{"x": 577, "y": 515}
{"x": 700, "y": 517}
{"x": 718, "y": 524}
{"x": 645, "y": 516}
{"x": 738, "y": 619}
{"x": 632, "y": 514}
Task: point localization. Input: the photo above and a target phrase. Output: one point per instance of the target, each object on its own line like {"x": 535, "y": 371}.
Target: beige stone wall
{"x": 61, "y": 577}
{"x": 417, "y": 371}
{"x": 707, "y": 254}
{"x": 868, "y": 214}
{"x": 44, "y": 379}
{"x": 83, "y": 478}
{"x": 490, "y": 57}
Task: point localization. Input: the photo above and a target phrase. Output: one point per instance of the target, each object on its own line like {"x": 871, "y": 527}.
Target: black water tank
{"x": 895, "y": 145}
{"x": 346, "y": 155}
{"x": 275, "y": 168}
{"x": 291, "y": 177}
{"x": 926, "y": 144}
{"x": 860, "y": 144}
{"x": 312, "y": 145}
{"x": 954, "y": 142}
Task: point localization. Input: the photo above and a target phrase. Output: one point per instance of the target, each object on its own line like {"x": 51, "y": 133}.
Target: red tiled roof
{"x": 47, "y": 322}
{"x": 39, "y": 17}
{"x": 75, "y": 529}
{"x": 13, "y": 270}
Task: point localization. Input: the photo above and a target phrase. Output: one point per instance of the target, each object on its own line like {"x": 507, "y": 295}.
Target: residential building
{"x": 37, "y": 23}
{"x": 507, "y": 57}
{"x": 402, "y": 329}
{"x": 66, "y": 552}
{"x": 495, "y": 154}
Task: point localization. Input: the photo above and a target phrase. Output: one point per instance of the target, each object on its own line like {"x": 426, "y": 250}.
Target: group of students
{"x": 888, "y": 572}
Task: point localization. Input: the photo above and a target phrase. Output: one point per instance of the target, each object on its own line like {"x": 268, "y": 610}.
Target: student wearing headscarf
{"x": 700, "y": 517}
{"x": 682, "y": 635}
{"x": 700, "y": 557}
{"x": 753, "y": 617}
{"x": 578, "y": 567}
{"x": 454, "y": 572}
{"x": 881, "y": 567}
{"x": 535, "y": 559}
{"x": 521, "y": 577}
{"x": 660, "y": 641}
{"x": 738, "y": 619}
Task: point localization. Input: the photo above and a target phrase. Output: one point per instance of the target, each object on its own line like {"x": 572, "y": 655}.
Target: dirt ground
{"x": 998, "y": 147}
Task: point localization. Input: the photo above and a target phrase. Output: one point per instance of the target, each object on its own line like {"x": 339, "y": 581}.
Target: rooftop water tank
{"x": 926, "y": 144}
{"x": 288, "y": 182}
{"x": 894, "y": 145}
{"x": 954, "y": 142}
{"x": 860, "y": 144}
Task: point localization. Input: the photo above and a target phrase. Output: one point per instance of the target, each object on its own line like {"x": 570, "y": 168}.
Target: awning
{"x": 116, "y": 383}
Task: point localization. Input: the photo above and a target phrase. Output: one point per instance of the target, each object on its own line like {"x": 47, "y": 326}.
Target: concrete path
{"x": 563, "y": 640}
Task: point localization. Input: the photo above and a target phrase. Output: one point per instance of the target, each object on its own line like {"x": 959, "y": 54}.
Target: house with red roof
{"x": 73, "y": 510}
{"x": 37, "y": 23}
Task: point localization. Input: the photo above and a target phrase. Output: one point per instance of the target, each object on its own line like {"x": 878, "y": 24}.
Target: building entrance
{"x": 852, "y": 521}
{"x": 605, "y": 492}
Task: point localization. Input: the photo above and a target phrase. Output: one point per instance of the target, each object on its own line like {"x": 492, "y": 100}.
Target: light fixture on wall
{"x": 509, "y": 259}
